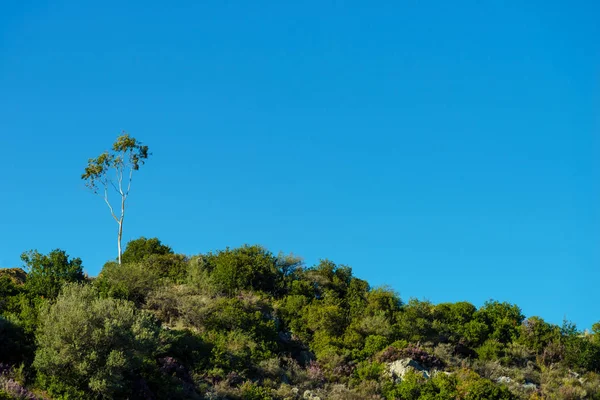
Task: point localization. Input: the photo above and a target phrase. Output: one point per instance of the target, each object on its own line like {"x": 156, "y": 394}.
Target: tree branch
{"x": 129, "y": 184}
{"x": 113, "y": 185}
{"x": 108, "y": 204}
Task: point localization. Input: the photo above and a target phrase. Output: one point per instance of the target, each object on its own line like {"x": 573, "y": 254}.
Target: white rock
{"x": 398, "y": 368}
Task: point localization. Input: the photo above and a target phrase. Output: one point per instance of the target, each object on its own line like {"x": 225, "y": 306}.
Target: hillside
{"x": 247, "y": 324}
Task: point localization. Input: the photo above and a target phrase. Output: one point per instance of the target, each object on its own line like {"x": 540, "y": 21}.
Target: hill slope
{"x": 246, "y": 324}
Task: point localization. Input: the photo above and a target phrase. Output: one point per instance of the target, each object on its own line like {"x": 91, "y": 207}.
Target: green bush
{"x": 484, "y": 389}
{"x": 536, "y": 334}
{"x": 502, "y": 319}
{"x": 133, "y": 281}
{"x": 247, "y": 267}
{"x": 367, "y": 370}
{"x": 47, "y": 273}
{"x": 139, "y": 249}
{"x": 373, "y": 344}
{"x": 93, "y": 345}
{"x": 251, "y": 391}
{"x": 15, "y": 346}
{"x": 490, "y": 350}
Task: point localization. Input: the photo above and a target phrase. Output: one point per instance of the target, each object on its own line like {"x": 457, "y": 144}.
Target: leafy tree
{"x": 536, "y": 334}
{"x": 356, "y": 297}
{"x": 383, "y": 300}
{"x": 126, "y": 156}
{"x": 139, "y": 249}
{"x": 415, "y": 321}
{"x": 451, "y": 320}
{"x": 502, "y": 319}
{"x": 247, "y": 267}
{"x": 329, "y": 279}
{"x": 90, "y": 347}
{"x": 47, "y": 273}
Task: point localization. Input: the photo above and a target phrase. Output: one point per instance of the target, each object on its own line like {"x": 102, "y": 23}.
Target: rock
{"x": 504, "y": 379}
{"x": 437, "y": 372}
{"x": 529, "y": 386}
{"x": 398, "y": 368}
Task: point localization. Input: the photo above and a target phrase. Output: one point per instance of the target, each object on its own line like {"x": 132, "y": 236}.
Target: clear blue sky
{"x": 448, "y": 149}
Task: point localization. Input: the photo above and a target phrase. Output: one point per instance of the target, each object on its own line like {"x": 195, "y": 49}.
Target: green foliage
{"x": 9, "y": 293}
{"x": 88, "y": 344}
{"x": 451, "y": 320}
{"x": 169, "y": 267}
{"x": 414, "y": 386}
{"x": 244, "y": 324}
{"x": 131, "y": 281}
{"x": 47, "y": 273}
{"x": 251, "y": 391}
{"x": 369, "y": 370}
{"x": 16, "y": 275}
{"x": 537, "y": 334}
{"x": 356, "y": 297}
{"x": 415, "y": 321}
{"x": 582, "y": 353}
{"x": 325, "y": 318}
{"x": 27, "y": 309}
{"x": 490, "y": 350}
{"x": 383, "y": 300}
{"x": 187, "y": 347}
{"x": 329, "y": 279}
{"x": 502, "y": 319}
{"x": 484, "y": 389}
{"x": 126, "y": 156}
{"x": 139, "y": 249}
{"x": 247, "y": 267}
{"x": 126, "y": 152}
{"x": 374, "y": 344}
{"x": 15, "y": 347}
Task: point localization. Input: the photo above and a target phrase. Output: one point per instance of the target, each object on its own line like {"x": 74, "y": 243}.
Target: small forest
{"x": 244, "y": 323}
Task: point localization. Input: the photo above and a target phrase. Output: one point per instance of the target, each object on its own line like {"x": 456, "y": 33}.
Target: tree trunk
{"x": 119, "y": 239}
{"x": 123, "y": 197}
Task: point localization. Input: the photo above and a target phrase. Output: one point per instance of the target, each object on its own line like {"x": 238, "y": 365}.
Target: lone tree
{"x": 115, "y": 169}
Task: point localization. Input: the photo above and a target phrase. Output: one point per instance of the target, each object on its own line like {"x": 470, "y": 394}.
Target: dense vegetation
{"x": 247, "y": 324}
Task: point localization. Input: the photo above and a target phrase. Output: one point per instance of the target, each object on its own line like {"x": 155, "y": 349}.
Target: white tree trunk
{"x": 119, "y": 236}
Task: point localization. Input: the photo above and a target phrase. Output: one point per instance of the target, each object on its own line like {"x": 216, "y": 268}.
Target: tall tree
{"x": 115, "y": 169}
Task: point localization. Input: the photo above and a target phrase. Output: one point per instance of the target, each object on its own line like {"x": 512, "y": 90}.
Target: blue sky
{"x": 448, "y": 149}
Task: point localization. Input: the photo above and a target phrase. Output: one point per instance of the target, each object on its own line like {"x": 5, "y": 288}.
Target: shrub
{"x": 373, "y": 344}
{"x": 490, "y": 350}
{"x": 484, "y": 389}
{"x": 47, "y": 273}
{"x": 131, "y": 281}
{"x": 369, "y": 370}
{"x": 95, "y": 345}
{"x": 15, "y": 346}
{"x": 247, "y": 267}
{"x": 251, "y": 391}
{"x": 139, "y": 249}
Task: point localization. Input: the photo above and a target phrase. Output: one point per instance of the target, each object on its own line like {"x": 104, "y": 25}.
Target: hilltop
{"x": 245, "y": 323}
